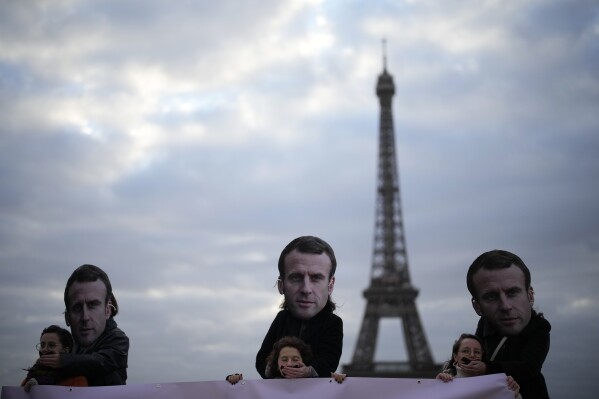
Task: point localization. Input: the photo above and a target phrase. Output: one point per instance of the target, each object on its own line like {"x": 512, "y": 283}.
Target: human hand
{"x": 298, "y": 371}
{"x": 445, "y": 377}
{"x": 234, "y": 378}
{"x": 50, "y": 360}
{"x": 30, "y": 382}
{"x": 339, "y": 378}
{"x": 513, "y": 386}
{"x": 475, "y": 367}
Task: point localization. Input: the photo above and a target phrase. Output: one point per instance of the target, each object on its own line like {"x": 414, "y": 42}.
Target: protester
{"x": 306, "y": 279}
{"x": 288, "y": 354}
{"x": 53, "y": 340}
{"x": 466, "y": 350}
{"x": 100, "y": 347}
{"x": 515, "y": 338}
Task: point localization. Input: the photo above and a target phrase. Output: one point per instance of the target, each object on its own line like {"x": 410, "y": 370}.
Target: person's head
{"x": 307, "y": 276}
{"x": 288, "y": 352}
{"x": 89, "y": 302}
{"x": 499, "y": 283}
{"x": 467, "y": 346}
{"x": 53, "y": 340}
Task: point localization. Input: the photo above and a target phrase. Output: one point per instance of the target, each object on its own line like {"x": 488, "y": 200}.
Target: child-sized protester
{"x": 466, "y": 351}
{"x": 53, "y": 340}
{"x": 288, "y": 353}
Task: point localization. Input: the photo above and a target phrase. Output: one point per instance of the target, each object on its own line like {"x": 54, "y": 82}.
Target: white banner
{"x": 484, "y": 387}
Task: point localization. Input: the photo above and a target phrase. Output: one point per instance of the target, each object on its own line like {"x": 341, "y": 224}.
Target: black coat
{"x": 521, "y": 356}
{"x": 42, "y": 374}
{"x": 104, "y": 362}
{"x": 323, "y": 332}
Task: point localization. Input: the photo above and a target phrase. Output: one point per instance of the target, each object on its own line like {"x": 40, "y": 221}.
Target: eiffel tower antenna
{"x": 384, "y": 54}
{"x": 390, "y": 294}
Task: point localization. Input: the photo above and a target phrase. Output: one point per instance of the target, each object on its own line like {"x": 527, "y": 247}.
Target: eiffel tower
{"x": 391, "y": 294}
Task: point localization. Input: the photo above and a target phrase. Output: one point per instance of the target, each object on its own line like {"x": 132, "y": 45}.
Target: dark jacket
{"x": 521, "y": 356}
{"x": 323, "y": 332}
{"x": 104, "y": 362}
{"x": 43, "y": 375}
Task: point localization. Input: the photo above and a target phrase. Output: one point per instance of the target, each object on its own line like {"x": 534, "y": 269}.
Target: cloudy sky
{"x": 181, "y": 145}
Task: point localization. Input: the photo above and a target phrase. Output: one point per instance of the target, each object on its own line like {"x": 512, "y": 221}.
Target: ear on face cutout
{"x": 476, "y": 307}
{"x": 531, "y": 296}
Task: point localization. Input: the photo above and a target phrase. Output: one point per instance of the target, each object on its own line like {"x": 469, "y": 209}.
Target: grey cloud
{"x": 181, "y": 147}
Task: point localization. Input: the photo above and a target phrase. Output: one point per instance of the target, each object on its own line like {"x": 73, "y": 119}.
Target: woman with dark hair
{"x": 53, "y": 340}
{"x": 467, "y": 349}
{"x": 288, "y": 352}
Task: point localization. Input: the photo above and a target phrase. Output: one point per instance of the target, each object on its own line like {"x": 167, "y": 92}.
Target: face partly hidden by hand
{"x": 50, "y": 344}
{"x": 289, "y": 357}
{"x": 468, "y": 351}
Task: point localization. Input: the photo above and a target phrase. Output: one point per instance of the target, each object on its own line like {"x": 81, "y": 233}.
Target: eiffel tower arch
{"x": 390, "y": 294}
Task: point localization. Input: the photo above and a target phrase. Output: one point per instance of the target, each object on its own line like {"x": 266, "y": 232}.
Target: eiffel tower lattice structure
{"x": 390, "y": 294}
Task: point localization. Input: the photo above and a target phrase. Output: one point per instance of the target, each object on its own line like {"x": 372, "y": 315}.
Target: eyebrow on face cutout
{"x": 494, "y": 294}
{"x": 295, "y": 276}
{"x": 78, "y": 306}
